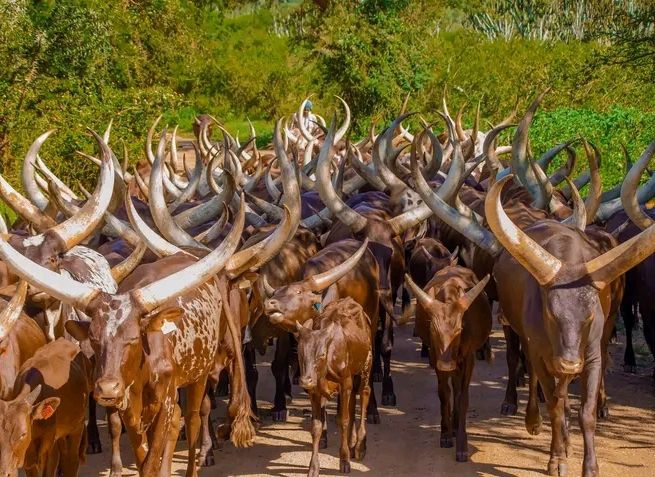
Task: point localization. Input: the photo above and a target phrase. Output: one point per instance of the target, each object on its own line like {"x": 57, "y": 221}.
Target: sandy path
{"x": 406, "y": 443}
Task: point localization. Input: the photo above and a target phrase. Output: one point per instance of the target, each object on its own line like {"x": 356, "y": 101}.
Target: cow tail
{"x": 242, "y": 433}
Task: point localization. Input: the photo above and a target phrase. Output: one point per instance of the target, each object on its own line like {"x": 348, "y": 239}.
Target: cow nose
{"x": 306, "y": 382}
{"x": 108, "y": 391}
{"x": 566, "y": 366}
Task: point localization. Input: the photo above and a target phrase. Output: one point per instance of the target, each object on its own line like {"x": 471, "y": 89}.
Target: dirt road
{"x": 406, "y": 442}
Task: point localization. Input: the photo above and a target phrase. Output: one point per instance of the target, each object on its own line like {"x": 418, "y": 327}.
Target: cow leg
{"x": 293, "y": 362}
{"x": 388, "y": 395}
{"x": 280, "y": 368}
{"x": 557, "y": 465}
{"x": 591, "y": 377}
{"x": 532, "y": 413}
{"x": 317, "y": 430}
{"x": 252, "y": 375}
{"x": 223, "y": 386}
{"x": 345, "y": 393}
{"x": 376, "y": 375}
{"x": 443, "y": 389}
{"x": 648, "y": 320}
{"x": 206, "y": 454}
{"x": 195, "y": 397}
{"x": 352, "y": 428}
{"x": 70, "y": 458}
{"x": 372, "y": 413}
{"x": 365, "y": 393}
{"x": 629, "y": 321}
{"x": 94, "y": 447}
{"x": 324, "y": 440}
{"x": 510, "y": 404}
{"x": 461, "y": 384}
{"x": 159, "y": 431}
{"x": 115, "y": 426}
{"x": 484, "y": 352}
{"x": 171, "y": 442}
{"x": 181, "y": 401}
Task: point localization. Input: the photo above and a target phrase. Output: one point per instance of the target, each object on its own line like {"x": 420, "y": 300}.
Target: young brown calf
{"x": 454, "y": 316}
{"x": 43, "y": 424}
{"x": 334, "y": 351}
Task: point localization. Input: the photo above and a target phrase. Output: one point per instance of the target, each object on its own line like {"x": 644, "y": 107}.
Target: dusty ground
{"x": 406, "y": 443}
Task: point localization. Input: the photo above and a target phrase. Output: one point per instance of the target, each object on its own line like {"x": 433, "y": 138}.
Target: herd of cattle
{"x": 153, "y": 294}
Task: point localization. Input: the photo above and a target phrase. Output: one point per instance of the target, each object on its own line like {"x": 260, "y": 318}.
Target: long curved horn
{"x": 337, "y": 206}
{"x": 533, "y": 257}
{"x": 323, "y": 280}
{"x": 194, "y": 182}
{"x": 151, "y": 296}
{"x": 629, "y": 190}
{"x": 59, "y": 286}
{"x": 213, "y": 232}
{"x": 157, "y": 244}
{"x": 578, "y": 218}
{"x": 383, "y": 150}
{"x": 341, "y": 132}
{"x": 433, "y": 167}
{"x": 122, "y": 270}
{"x": 289, "y": 180}
{"x": 50, "y": 176}
{"x": 422, "y": 297}
{"x": 363, "y": 171}
{"x": 520, "y": 161}
{"x": 170, "y": 187}
{"x": 29, "y": 183}
{"x": 141, "y": 184}
{"x": 261, "y": 252}
{"x": 270, "y": 185}
{"x": 72, "y": 231}
{"x": 449, "y": 215}
{"x": 489, "y": 148}
{"x": 566, "y": 169}
{"x": 158, "y": 207}
{"x": 548, "y": 156}
{"x": 13, "y": 310}
{"x": 592, "y": 202}
{"x": 24, "y": 207}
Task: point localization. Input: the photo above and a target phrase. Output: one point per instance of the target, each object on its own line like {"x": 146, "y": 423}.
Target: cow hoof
{"x": 94, "y": 447}
{"x": 208, "y": 461}
{"x": 603, "y": 412}
{"x": 446, "y": 442}
{"x": 344, "y": 467}
{"x": 630, "y": 368}
{"x": 376, "y": 376}
{"x": 389, "y": 399}
{"x": 557, "y": 468}
{"x": 373, "y": 418}
{"x": 508, "y": 409}
{"x": 279, "y": 416}
{"x": 533, "y": 428}
{"x": 360, "y": 451}
{"x": 462, "y": 456}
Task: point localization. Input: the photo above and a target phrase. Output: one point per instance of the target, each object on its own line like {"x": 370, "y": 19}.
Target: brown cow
{"x": 454, "y": 316}
{"x": 20, "y": 337}
{"x": 335, "y": 354}
{"x": 352, "y": 268}
{"x": 151, "y": 340}
{"x": 43, "y": 422}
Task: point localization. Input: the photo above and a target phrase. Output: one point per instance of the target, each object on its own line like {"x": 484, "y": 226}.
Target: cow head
{"x": 313, "y": 349}
{"x": 16, "y": 419}
{"x": 301, "y": 301}
{"x": 445, "y": 308}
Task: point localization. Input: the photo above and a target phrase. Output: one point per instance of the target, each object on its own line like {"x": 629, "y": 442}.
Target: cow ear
{"x": 79, "y": 330}
{"x": 46, "y": 408}
{"x": 158, "y": 320}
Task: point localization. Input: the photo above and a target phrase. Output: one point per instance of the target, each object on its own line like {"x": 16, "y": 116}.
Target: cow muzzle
{"x": 307, "y": 383}
{"x": 272, "y": 311}
{"x": 565, "y": 366}
{"x": 446, "y": 366}
{"x": 109, "y": 392}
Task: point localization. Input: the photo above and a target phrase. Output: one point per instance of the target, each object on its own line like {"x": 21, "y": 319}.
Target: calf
{"x": 43, "y": 422}
{"x": 454, "y": 316}
{"x": 335, "y": 354}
